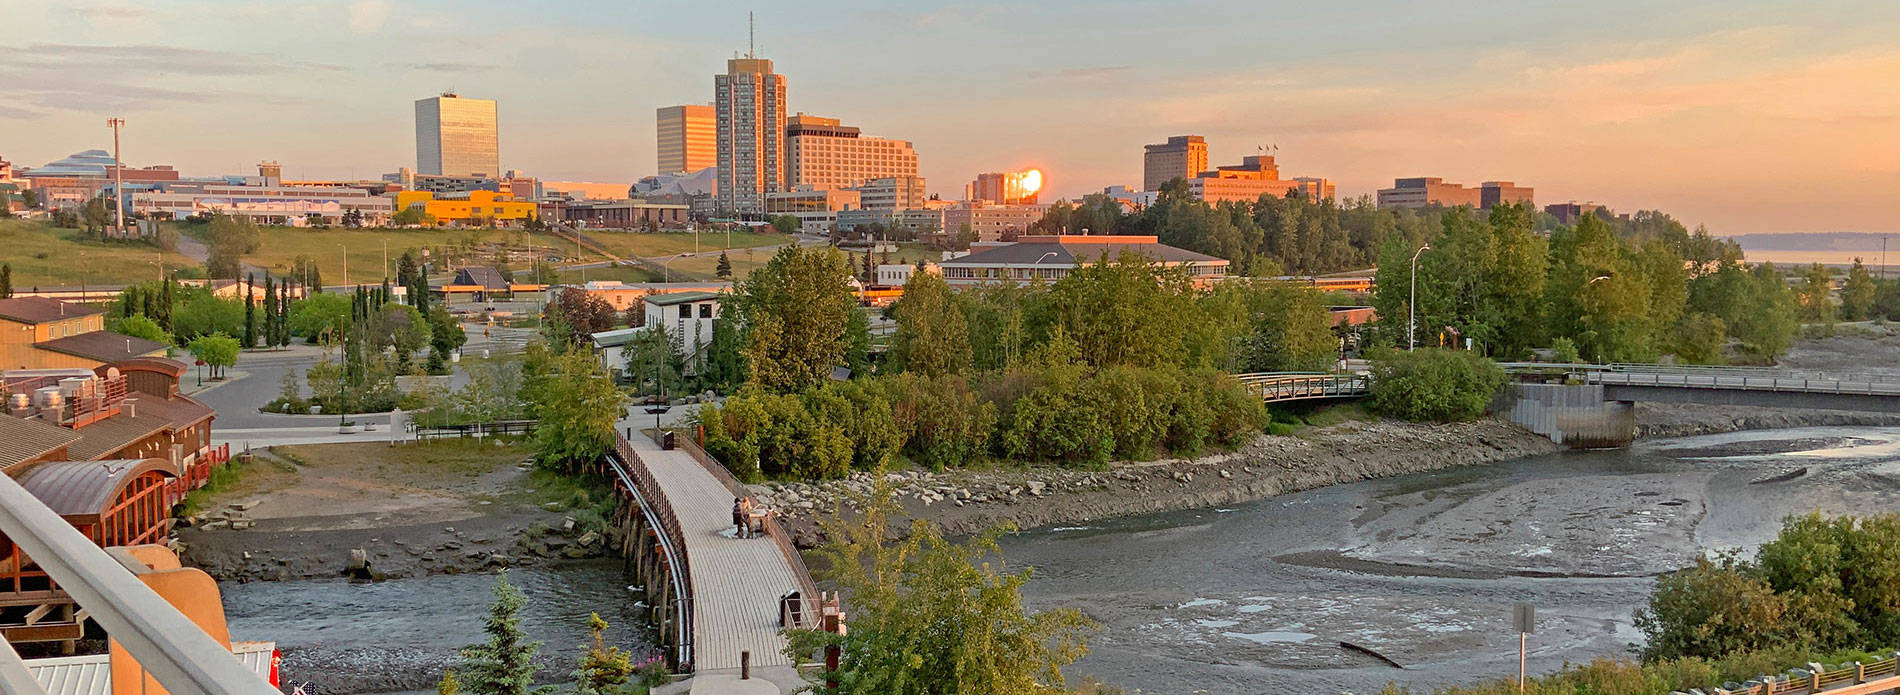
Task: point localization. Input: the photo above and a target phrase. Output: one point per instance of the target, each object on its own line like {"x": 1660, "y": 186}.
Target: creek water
{"x": 399, "y": 635}
{"x": 1424, "y": 569}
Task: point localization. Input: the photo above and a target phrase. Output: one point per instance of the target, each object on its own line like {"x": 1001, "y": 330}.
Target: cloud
{"x": 368, "y": 16}
{"x": 110, "y": 12}
{"x": 449, "y": 66}
{"x": 56, "y": 76}
{"x": 1095, "y": 72}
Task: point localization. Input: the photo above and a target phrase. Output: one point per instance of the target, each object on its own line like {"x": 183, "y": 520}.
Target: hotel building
{"x": 824, "y": 153}
{"x": 456, "y": 136}
{"x": 749, "y": 100}
{"x": 1182, "y": 156}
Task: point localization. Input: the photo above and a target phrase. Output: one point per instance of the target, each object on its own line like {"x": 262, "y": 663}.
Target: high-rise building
{"x": 750, "y": 107}
{"x": 1005, "y": 187}
{"x": 456, "y": 136}
{"x": 1182, "y": 156}
{"x": 689, "y": 138}
{"x": 824, "y": 153}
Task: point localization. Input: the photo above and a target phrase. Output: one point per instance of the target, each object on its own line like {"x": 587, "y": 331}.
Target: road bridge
{"x": 1717, "y": 385}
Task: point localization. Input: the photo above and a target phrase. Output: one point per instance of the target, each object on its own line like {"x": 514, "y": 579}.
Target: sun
{"x": 1029, "y": 182}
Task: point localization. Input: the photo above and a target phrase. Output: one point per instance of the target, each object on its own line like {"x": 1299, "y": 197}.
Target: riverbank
{"x": 375, "y": 511}
{"x": 968, "y": 501}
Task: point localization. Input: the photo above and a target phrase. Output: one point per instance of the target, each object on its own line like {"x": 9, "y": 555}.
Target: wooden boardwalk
{"x": 736, "y": 582}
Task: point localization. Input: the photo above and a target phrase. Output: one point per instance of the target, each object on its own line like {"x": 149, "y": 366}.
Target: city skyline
{"x": 1718, "y": 113}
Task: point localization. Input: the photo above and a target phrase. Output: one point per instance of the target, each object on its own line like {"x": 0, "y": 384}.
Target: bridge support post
{"x": 1575, "y": 415}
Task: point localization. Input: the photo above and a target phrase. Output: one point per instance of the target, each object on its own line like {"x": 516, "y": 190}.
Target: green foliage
{"x": 1816, "y": 294}
{"x": 576, "y": 403}
{"x": 653, "y": 366}
{"x": 786, "y": 224}
{"x": 1699, "y": 338}
{"x": 1292, "y": 331}
{"x": 201, "y": 313}
{"x": 504, "y": 665}
{"x": 1823, "y": 584}
{"x": 142, "y": 327}
{"x": 1564, "y": 351}
{"x": 933, "y": 337}
{"x": 216, "y": 350}
{"x": 795, "y": 312}
{"x": 318, "y": 315}
{"x": 1434, "y": 384}
{"x": 942, "y": 421}
{"x": 1857, "y": 295}
{"x": 412, "y": 216}
{"x": 723, "y": 269}
{"x": 227, "y": 239}
{"x": 908, "y": 596}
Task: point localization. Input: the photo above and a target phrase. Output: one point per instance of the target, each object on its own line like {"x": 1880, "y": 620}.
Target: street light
{"x": 667, "y": 267}
{"x": 1411, "y": 311}
{"x": 1039, "y": 260}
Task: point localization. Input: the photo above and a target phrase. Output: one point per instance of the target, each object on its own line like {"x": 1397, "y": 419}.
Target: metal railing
{"x": 633, "y": 477}
{"x": 498, "y": 427}
{"x": 1786, "y": 384}
{"x": 1880, "y": 676}
{"x": 807, "y": 588}
{"x": 1292, "y": 386}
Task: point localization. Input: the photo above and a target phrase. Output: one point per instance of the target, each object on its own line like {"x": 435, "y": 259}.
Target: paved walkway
{"x": 736, "y": 582}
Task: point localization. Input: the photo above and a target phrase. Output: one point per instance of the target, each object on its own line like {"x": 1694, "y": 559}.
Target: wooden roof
{"x": 24, "y": 440}
{"x": 38, "y": 310}
{"x": 80, "y": 490}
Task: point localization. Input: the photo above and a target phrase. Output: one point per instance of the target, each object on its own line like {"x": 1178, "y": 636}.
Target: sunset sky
{"x": 1746, "y": 116}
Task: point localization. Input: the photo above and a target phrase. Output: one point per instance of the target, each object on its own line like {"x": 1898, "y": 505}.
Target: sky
{"x": 1743, "y": 115}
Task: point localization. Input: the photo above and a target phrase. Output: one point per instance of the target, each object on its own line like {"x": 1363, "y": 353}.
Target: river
{"x": 398, "y": 635}
{"x": 1424, "y": 568}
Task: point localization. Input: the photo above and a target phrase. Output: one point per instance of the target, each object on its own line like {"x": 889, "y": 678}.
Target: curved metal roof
{"x": 86, "y": 163}
{"x": 80, "y": 490}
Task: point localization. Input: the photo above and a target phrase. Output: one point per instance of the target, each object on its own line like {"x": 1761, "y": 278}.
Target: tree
{"x": 412, "y": 216}
{"x": 318, "y": 315}
{"x": 932, "y": 338}
{"x": 1292, "y": 330}
{"x": 304, "y": 270}
{"x": 723, "y": 269}
{"x": 250, "y": 312}
{"x": 934, "y": 617}
{"x": 448, "y": 684}
{"x": 577, "y": 405}
{"x": 96, "y": 215}
{"x": 1857, "y": 295}
{"x": 202, "y": 313}
{"x": 401, "y": 327}
{"x": 786, "y": 224}
{"x": 143, "y": 327}
{"x": 1817, "y": 295}
{"x": 603, "y": 669}
{"x": 795, "y": 311}
{"x": 216, "y": 350}
{"x": 650, "y": 357}
{"x": 6, "y": 280}
{"x": 227, "y": 240}
{"x": 584, "y": 312}
{"x": 504, "y": 665}
{"x": 445, "y": 336}
{"x": 1434, "y": 384}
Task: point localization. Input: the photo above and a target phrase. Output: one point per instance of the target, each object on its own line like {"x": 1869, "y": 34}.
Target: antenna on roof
{"x": 751, "y": 38}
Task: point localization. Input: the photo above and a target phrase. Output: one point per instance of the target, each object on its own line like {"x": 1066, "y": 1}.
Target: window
{"x": 705, "y": 311}
{"x": 686, "y": 311}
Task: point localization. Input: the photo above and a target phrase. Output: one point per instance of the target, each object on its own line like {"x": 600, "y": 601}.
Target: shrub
{"x": 1434, "y": 384}
{"x": 1134, "y": 404}
{"x": 1055, "y": 422}
{"x": 942, "y": 422}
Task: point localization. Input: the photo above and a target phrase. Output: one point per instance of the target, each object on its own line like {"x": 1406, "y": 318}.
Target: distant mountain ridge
{"x": 1824, "y": 241}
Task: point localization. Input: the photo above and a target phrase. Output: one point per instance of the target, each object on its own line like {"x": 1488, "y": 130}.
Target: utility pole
{"x": 118, "y": 176}
{"x": 346, "y": 265}
{"x": 1411, "y": 311}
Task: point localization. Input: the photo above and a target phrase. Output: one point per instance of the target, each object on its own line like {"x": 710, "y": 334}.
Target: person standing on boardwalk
{"x": 738, "y": 517}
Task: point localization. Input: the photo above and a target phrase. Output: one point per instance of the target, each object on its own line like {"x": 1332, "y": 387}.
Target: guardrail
{"x": 522, "y": 427}
{"x": 633, "y": 476}
{"x": 1852, "y": 678}
{"x": 1743, "y": 383}
{"x": 807, "y": 589}
{"x": 1291, "y": 386}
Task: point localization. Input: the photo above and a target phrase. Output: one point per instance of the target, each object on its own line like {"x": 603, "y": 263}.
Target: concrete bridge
{"x": 720, "y": 601}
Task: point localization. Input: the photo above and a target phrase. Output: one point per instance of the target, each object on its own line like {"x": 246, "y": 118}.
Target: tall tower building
{"x": 688, "y": 138}
{"x": 1183, "y": 156}
{"x": 823, "y": 153}
{"x": 750, "y": 103}
{"x": 456, "y": 136}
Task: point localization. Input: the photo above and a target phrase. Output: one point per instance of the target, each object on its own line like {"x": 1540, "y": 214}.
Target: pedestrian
{"x": 738, "y": 517}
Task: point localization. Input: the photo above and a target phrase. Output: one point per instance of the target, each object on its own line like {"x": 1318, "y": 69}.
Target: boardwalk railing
{"x": 1841, "y": 679}
{"x": 632, "y": 476}
{"x": 806, "y": 614}
{"x": 498, "y": 427}
{"x": 1294, "y": 386}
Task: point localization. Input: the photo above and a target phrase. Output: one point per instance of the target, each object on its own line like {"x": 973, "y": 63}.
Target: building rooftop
{"x": 24, "y": 439}
{"x": 616, "y": 337}
{"x": 89, "y": 163}
{"x": 481, "y": 275}
{"x": 1069, "y": 249}
{"x": 672, "y": 298}
{"x": 103, "y": 346}
{"x": 38, "y": 310}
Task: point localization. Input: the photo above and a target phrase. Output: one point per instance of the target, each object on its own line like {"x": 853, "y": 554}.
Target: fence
{"x": 1848, "y": 679}
{"x": 477, "y": 429}
{"x": 632, "y": 477}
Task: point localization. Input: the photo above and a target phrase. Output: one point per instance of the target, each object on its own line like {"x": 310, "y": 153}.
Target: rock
{"x": 588, "y": 539}
{"x": 1036, "y": 487}
{"x": 497, "y": 560}
{"x": 240, "y": 524}
{"x": 451, "y": 545}
{"x": 246, "y": 506}
{"x": 1226, "y": 476}
{"x": 247, "y": 556}
{"x": 448, "y": 529}
{"x": 567, "y": 524}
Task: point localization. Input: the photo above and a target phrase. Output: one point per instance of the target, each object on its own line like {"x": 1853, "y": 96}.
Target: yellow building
{"x": 38, "y": 333}
{"x": 481, "y": 207}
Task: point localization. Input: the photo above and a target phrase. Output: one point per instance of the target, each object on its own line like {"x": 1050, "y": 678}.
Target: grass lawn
{"x": 623, "y": 273}
{"x": 282, "y": 245}
{"x": 701, "y": 268}
{"x": 46, "y": 256}
{"x": 646, "y": 245}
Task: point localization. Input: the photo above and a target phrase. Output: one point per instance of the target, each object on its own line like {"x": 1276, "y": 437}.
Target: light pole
{"x": 666, "y": 266}
{"x": 118, "y": 177}
{"x": 346, "y": 264}
{"x": 1039, "y": 260}
{"x": 1411, "y": 310}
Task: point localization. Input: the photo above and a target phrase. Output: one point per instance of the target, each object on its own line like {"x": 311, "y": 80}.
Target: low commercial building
{"x": 622, "y": 214}
{"x": 1569, "y": 213}
{"x": 623, "y": 295}
{"x": 1052, "y": 257}
{"x": 991, "y": 221}
{"x": 478, "y": 208}
{"x": 1256, "y": 176}
{"x": 816, "y": 208}
{"x": 585, "y": 190}
{"x": 1427, "y": 191}
{"x": 261, "y": 204}
{"x": 891, "y": 193}
{"x": 40, "y": 333}
{"x": 687, "y": 318}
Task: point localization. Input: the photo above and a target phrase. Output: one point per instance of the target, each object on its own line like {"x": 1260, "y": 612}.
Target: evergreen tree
{"x": 270, "y": 311}
{"x": 603, "y": 669}
{"x": 723, "y": 270}
{"x": 6, "y": 279}
{"x": 505, "y": 664}
{"x": 250, "y": 311}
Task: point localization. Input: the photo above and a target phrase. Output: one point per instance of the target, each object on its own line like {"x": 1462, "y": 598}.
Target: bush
{"x": 1434, "y": 384}
{"x": 941, "y": 421}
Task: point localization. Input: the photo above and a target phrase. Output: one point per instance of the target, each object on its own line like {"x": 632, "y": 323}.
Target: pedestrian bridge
{"x": 1751, "y": 386}
{"x": 1279, "y": 387}
{"x": 721, "y": 601}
